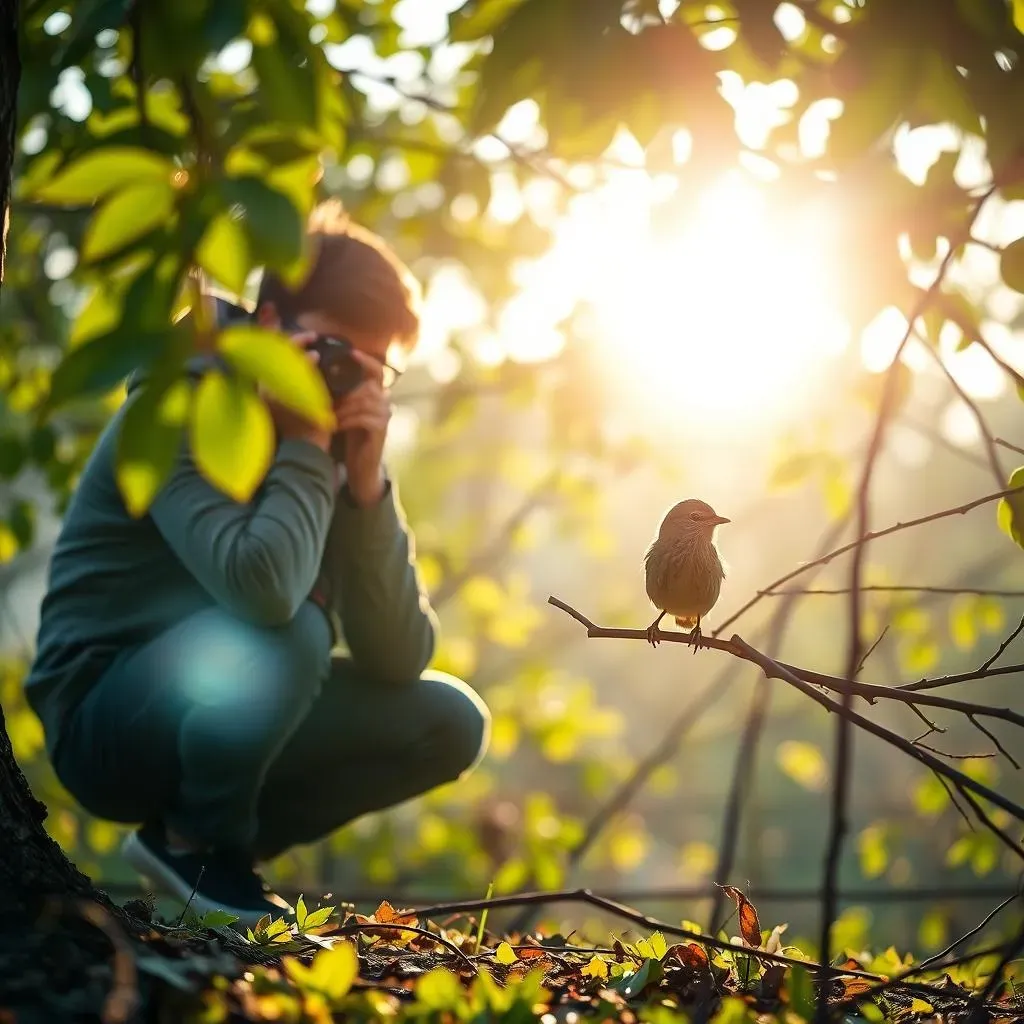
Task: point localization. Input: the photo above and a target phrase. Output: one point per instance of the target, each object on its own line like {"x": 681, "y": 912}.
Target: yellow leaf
{"x": 804, "y": 763}
{"x": 921, "y": 1006}
{"x": 281, "y": 367}
{"x": 1018, "y": 15}
{"x": 148, "y": 444}
{"x": 505, "y": 954}
{"x": 127, "y": 216}
{"x": 8, "y": 543}
{"x": 596, "y": 968}
{"x": 232, "y": 435}
{"x": 333, "y": 970}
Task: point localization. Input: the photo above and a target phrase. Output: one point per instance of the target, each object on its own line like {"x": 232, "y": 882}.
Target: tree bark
{"x": 10, "y": 76}
{"x": 33, "y": 867}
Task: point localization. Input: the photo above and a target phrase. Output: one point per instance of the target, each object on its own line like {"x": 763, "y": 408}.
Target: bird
{"x": 683, "y": 569}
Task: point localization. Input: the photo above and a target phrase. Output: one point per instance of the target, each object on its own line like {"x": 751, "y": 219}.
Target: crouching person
{"x": 185, "y": 673}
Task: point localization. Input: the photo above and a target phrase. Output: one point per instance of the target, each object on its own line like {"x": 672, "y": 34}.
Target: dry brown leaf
{"x": 856, "y": 986}
{"x": 750, "y": 927}
{"x": 689, "y": 954}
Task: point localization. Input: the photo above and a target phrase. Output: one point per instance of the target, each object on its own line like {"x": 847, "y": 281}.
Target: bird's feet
{"x": 695, "y": 637}
{"x": 653, "y": 633}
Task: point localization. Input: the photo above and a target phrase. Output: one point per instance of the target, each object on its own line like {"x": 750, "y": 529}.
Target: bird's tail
{"x": 687, "y": 620}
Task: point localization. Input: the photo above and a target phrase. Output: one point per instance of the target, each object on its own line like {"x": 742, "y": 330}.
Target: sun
{"x": 731, "y": 318}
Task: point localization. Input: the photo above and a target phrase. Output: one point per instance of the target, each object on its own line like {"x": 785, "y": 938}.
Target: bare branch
{"x": 925, "y": 964}
{"x": 952, "y": 799}
{"x": 983, "y": 428}
{"x": 1002, "y": 750}
{"x": 1012, "y": 447}
{"x": 952, "y": 757}
{"x": 1002, "y": 647}
{"x": 932, "y": 517}
{"x": 907, "y": 589}
{"x": 739, "y": 648}
{"x": 806, "y": 682}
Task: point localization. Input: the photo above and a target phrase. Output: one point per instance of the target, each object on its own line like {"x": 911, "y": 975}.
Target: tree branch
{"x": 932, "y": 517}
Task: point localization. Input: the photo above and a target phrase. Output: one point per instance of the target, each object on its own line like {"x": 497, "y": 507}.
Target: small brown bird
{"x": 684, "y": 572}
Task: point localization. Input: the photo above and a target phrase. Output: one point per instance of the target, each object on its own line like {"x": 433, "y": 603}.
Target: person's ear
{"x": 266, "y": 316}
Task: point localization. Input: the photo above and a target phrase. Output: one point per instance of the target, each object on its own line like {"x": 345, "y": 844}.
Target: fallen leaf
{"x": 505, "y": 954}
{"x": 856, "y": 986}
{"x": 750, "y": 927}
{"x": 689, "y": 954}
{"x": 596, "y": 968}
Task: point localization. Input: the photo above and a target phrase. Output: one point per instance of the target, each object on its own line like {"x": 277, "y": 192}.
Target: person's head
{"x": 357, "y": 288}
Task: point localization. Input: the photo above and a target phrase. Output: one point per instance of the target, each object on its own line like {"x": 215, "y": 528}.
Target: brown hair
{"x": 355, "y": 278}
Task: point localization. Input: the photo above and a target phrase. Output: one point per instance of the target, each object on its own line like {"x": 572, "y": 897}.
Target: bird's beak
{"x": 718, "y": 520}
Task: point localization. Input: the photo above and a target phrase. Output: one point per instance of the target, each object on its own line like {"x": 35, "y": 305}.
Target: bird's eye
{"x": 695, "y": 516}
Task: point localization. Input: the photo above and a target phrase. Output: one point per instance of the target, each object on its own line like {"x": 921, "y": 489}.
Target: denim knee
{"x": 227, "y": 662}
{"x": 462, "y": 722}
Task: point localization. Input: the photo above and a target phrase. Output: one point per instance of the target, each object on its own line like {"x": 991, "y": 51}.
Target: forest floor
{"x": 327, "y": 963}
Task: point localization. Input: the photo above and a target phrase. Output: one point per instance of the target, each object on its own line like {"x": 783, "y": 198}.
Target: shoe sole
{"x": 146, "y": 863}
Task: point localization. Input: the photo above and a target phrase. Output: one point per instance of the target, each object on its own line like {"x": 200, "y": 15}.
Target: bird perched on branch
{"x": 684, "y": 572}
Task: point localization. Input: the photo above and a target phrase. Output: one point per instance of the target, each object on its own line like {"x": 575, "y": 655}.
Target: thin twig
{"x": 952, "y": 799}
{"x": 870, "y": 651}
{"x": 370, "y": 928}
{"x": 636, "y": 917}
{"x": 1012, "y": 447}
{"x": 986, "y": 434}
{"x": 1002, "y": 647}
{"x": 925, "y": 964}
{"x": 952, "y": 757}
{"x": 1002, "y": 750}
{"x": 932, "y": 517}
{"x": 835, "y": 591}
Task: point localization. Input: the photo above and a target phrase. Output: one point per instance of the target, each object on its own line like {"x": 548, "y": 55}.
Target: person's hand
{"x": 291, "y": 425}
{"x": 363, "y": 417}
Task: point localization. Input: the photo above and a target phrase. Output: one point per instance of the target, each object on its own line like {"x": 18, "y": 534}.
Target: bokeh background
{"x": 601, "y": 340}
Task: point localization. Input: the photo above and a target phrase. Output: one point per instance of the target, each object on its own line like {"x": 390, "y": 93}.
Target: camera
{"x": 340, "y": 371}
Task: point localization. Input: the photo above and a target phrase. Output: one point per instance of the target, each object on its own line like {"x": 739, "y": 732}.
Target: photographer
{"x": 185, "y": 673}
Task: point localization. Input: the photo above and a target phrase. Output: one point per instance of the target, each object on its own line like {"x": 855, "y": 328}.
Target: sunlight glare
{"x": 731, "y": 318}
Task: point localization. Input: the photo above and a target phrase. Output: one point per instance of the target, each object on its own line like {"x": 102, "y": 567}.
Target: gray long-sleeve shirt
{"x": 116, "y": 581}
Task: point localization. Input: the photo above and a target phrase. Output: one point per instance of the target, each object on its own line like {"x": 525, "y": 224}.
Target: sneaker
{"x": 205, "y": 879}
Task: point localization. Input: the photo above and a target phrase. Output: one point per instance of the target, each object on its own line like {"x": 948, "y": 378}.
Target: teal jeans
{"x": 257, "y": 738}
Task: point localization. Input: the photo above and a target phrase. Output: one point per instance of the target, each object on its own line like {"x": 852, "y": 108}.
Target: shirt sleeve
{"x": 260, "y": 559}
{"x": 385, "y": 614}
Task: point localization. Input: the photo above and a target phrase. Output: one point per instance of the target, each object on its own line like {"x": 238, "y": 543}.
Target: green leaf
{"x": 126, "y": 217}
{"x": 649, "y": 972}
{"x": 275, "y": 228}
{"x": 300, "y": 912}
{"x": 801, "y": 993}
{"x": 873, "y": 851}
{"x": 333, "y": 970}
{"x": 318, "y": 917}
{"x": 1011, "y": 265}
{"x": 232, "y": 435}
{"x": 103, "y": 171}
{"x": 217, "y": 919}
{"x": 149, "y": 441}
{"x": 224, "y": 253}
{"x": 99, "y": 365}
{"x": 1010, "y": 511}
{"x": 281, "y": 367}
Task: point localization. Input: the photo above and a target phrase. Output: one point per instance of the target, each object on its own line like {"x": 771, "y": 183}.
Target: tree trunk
{"x": 32, "y": 865}
{"x": 10, "y": 76}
